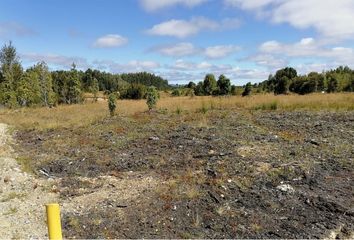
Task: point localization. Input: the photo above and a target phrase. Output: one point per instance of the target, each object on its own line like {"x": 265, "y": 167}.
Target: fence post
{"x": 53, "y": 221}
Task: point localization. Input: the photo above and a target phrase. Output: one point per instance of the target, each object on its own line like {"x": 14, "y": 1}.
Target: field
{"x": 204, "y": 167}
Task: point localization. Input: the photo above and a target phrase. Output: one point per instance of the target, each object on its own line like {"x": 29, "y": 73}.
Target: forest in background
{"x": 38, "y": 86}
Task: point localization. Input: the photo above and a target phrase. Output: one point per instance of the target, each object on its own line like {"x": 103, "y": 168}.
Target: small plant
{"x": 204, "y": 109}
{"x": 152, "y": 96}
{"x": 176, "y": 92}
{"x": 112, "y": 103}
{"x": 178, "y": 110}
{"x": 267, "y": 106}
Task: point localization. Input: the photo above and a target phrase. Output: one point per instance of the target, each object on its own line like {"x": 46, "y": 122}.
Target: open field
{"x": 82, "y": 115}
{"x": 259, "y": 167}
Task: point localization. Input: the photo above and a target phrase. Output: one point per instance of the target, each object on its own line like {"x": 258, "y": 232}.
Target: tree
{"x": 11, "y": 71}
{"x": 135, "y": 91}
{"x": 74, "y": 94}
{"x": 209, "y": 84}
{"x": 94, "y": 88}
{"x": 191, "y": 85}
{"x": 151, "y": 97}
{"x": 282, "y": 85}
{"x": 28, "y": 91}
{"x": 224, "y": 85}
{"x": 199, "y": 89}
{"x": 112, "y": 103}
{"x": 332, "y": 85}
{"x": 45, "y": 83}
{"x": 282, "y": 79}
{"x": 248, "y": 89}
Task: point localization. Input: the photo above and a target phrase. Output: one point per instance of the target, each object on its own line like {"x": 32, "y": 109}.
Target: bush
{"x": 112, "y": 103}
{"x": 135, "y": 91}
{"x": 247, "y": 90}
{"x": 176, "y": 92}
{"x": 152, "y": 96}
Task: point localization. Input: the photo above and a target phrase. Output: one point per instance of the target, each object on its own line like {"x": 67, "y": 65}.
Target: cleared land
{"x": 259, "y": 167}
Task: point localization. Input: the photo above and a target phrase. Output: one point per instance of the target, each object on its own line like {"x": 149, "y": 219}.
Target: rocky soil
{"x": 22, "y": 196}
{"x": 223, "y": 174}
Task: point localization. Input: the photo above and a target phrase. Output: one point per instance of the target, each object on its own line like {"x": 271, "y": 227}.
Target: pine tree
{"x": 74, "y": 94}
{"x": 112, "y": 103}
{"x": 11, "y": 71}
{"x": 152, "y": 96}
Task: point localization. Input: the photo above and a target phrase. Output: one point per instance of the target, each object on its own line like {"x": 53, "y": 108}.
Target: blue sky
{"x": 182, "y": 40}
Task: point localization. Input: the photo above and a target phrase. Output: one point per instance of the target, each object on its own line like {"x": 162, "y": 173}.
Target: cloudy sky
{"x": 182, "y": 40}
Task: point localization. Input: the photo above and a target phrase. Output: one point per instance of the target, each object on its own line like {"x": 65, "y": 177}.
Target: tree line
{"x": 284, "y": 81}
{"x": 287, "y": 80}
{"x": 38, "y": 86}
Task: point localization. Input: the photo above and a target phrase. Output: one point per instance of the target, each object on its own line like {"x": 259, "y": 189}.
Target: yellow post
{"x": 53, "y": 221}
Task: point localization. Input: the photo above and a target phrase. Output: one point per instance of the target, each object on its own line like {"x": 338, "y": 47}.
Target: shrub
{"x": 267, "y": 106}
{"x": 176, "y": 92}
{"x": 152, "y": 96}
{"x": 247, "y": 90}
{"x": 112, "y": 103}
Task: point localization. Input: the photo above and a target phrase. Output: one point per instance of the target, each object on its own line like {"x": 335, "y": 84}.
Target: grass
{"x": 85, "y": 114}
{"x": 13, "y": 195}
{"x": 11, "y": 211}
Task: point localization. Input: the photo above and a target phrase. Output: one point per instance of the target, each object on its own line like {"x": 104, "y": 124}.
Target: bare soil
{"x": 222, "y": 174}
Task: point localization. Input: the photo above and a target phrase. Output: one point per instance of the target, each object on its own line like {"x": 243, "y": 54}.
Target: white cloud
{"x": 188, "y": 49}
{"x": 332, "y": 19}
{"x": 182, "y": 72}
{"x": 183, "y": 28}
{"x": 221, "y": 51}
{"x": 309, "y": 48}
{"x": 56, "y": 60}
{"x": 153, "y": 5}
{"x": 10, "y": 29}
{"x": 131, "y": 66}
{"x": 270, "y": 61}
{"x": 177, "y": 50}
{"x": 308, "y": 51}
{"x": 110, "y": 41}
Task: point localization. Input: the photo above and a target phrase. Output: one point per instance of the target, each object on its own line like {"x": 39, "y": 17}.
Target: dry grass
{"x": 82, "y": 115}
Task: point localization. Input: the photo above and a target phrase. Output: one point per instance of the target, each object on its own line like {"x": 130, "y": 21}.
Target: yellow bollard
{"x": 53, "y": 221}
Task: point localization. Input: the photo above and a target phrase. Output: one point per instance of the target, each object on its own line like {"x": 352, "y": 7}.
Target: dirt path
{"x": 22, "y": 196}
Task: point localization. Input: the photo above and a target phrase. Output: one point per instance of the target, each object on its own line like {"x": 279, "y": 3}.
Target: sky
{"x": 182, "y": 40}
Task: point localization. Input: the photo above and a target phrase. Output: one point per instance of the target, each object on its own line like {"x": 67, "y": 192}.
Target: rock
{"x": 314, "y": 142}
{"x": 211, "y": 152}
{"x": 154, "y": 138}
{"x": 286, "y": 188}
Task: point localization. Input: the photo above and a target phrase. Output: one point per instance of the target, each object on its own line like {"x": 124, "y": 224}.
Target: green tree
{"x": 191, "y": 85}
{"x": 112, "y": 103}
{"x": 224, "y": 85}
{"x": 282, "y": 79}
{"x": 332, "y": 85}
{"x": 282, "y": 85}
{"x": 45, "y": 83}
{"x": 209, "y": 84}
{"x": 199, "y": 89}
{"x": 74, "y": 93}
{"x": 28, "y": 91}
{"x": 152, "y": 96}
{"x": 248, "y": 89}
{"x": 11, "y": 71}
{"x": 94, "y": 88}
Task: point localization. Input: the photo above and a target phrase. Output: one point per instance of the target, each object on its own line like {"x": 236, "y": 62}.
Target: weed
{"x": 11, "y": 211}
{"x": 13, "y": 195}
{"x": 267, "y": 106}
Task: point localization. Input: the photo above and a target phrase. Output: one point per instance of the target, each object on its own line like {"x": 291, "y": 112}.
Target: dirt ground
{"x": 214, "y": 174}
